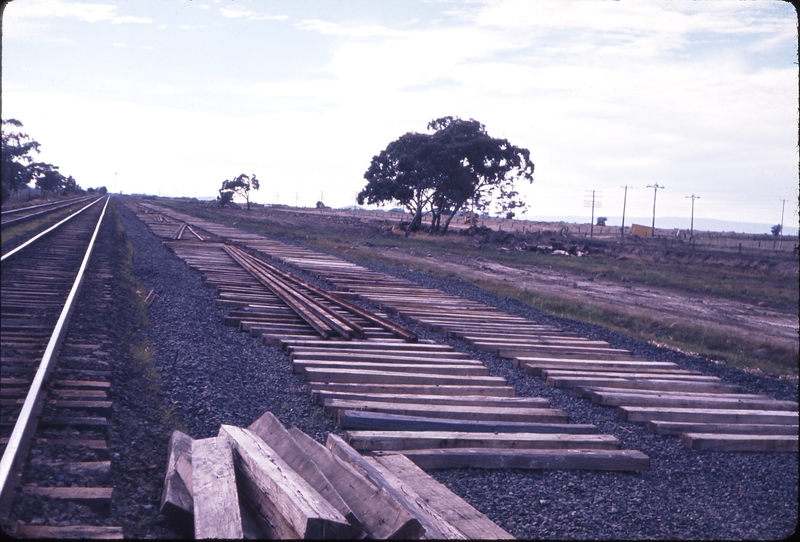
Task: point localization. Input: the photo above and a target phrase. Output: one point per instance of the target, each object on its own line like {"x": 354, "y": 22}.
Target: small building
{"x": 641, "y": 231}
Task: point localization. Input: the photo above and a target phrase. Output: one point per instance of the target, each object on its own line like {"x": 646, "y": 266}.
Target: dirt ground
{"x": 736, "y": 318}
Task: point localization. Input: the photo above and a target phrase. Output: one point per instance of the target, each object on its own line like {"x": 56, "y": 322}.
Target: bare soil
{"x": 716, "y": 314}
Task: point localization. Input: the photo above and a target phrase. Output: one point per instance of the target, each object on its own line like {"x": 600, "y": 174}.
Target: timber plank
{"x": 368, "y": 355}
{"x": 100, "y": 495}
{"x": 665, "y": 384}
{"x": 272, "y": 431}
{"x": 424, "y": 389}
{"x": 740, "y": 443}
{"x": 289, "y": 507}
{"x": 455, "y": 510}
{"x": 392, "y": 377}
{"x": 477, "y": 369}
{"x": 69, "y": 531}
{"x": 500, "y": 458}
{"x": 676, "y": 428}
{"x": 176, "y": 496}
{"x": 646, "y": 414}
{"x": 508, "y": 414}
{"x": 535, "y": 367}
{"x": 380, "y": 515}
{"x": 215, "y": 496}
{"x": 410, "y": 440}
{"x": 435, "y": 525}
{"x": 375, "y": 421}
{"x": 628, "y": 399}
{"x": 455, "y": 400}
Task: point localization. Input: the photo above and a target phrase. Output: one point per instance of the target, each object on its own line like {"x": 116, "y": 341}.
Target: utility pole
{"x": 783, "y": 206}
{"x": 624, "y": 203}
{"x": 655, "y": 188}
{"x": 691, "y": 231}
{"x": 296, "y": 196}
{"x": 115, "y": 182}
{"x": 593, "y": 203}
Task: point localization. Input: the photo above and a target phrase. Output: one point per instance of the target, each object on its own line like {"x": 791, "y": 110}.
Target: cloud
{"x": 238, "y": 13}
{"x": 335, "y": 29}
{"x": 91, "y": 13}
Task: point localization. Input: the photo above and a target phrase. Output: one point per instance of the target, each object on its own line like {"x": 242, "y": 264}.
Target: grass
{"x": 696, "y": 273}
{"x": 142, "y": 354}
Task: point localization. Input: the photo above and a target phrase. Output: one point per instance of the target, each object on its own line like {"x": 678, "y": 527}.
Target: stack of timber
{"x": 387, "y": 389}
{"x": 707, "y": 413}
{"x": 267, "y": 481}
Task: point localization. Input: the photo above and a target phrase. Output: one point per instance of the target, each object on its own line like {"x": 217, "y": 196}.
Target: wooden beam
{"x": 288, "y": 506}
{"x": 375, "y": 421}
{"x": 216, "y": 499}
{"x": 272, "y": 431}
{"x": 676, "y": 428}
{"x": 476, "y": 369}
{"x": 425, "y": 389}
{"x": 455, "y": 400}
{"x": 498, "y": 414}
{"x": 411, "y": 440}
{"x": 176, "y": 497}
{"x": 707, "y": 402}
{"x": 498, "y": 458}
{"x": 740, "y": 443}
{"x": 392, "y": 377}
{"x": 380, "y": 515}
{"x": 436, "y": 526}
{"x": 646, "y": 414}
{"x": 458, "y": 512}
{"x": 664, "y": 384}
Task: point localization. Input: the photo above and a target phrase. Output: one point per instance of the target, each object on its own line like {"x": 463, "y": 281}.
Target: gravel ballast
{"x": 211, "y": 374}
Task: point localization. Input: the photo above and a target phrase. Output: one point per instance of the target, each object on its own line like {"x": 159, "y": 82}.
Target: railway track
{"x": 15, "y": 216}
{"x": 706, "y": 413}
{"x": 55, "y": 405}
{"x": 387, "y": 389}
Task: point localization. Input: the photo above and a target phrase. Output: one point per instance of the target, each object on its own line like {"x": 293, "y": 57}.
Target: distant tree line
{"x": 20, "y": 170}
{"x": 457, "y": 166}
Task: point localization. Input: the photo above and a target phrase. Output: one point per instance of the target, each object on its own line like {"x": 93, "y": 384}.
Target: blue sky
{"x": 176, "y": 95}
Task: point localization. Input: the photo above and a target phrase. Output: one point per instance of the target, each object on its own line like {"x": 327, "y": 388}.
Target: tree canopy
{"x": 19, "y": 168}
{"x": 240, "y": 186}
{"x": 457, "y": 165}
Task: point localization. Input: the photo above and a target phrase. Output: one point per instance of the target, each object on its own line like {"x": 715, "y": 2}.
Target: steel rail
{"x": 45, "y": 232}
{"x": 320, "y": 318}
{"x": 26, "y": 421}
{"x": 391, "y": 327}
{"x": 60, "y": 205}
{"x": 49, "y": 204}
{"x": 342, "y": 324}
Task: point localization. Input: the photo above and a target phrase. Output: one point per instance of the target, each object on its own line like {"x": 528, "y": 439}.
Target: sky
{"x": 172, "y": 97}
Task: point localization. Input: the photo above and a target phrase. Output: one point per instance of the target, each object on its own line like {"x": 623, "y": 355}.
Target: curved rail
{"x": 26, "y": 420}
{"x": 48, "y": 230}
{"x": 50, "y": 207}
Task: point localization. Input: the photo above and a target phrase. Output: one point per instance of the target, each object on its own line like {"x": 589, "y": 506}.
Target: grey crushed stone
{"x": 214, "y": 374}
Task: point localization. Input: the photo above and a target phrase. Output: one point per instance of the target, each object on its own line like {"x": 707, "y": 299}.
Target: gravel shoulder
{"x": 212, "y": 374}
